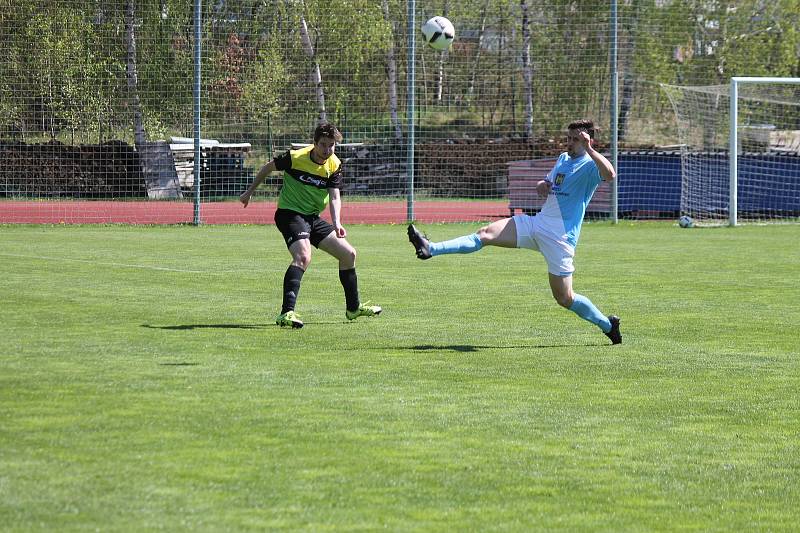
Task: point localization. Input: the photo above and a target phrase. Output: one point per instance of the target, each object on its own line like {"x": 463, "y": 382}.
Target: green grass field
{"x": 144, "y": 385}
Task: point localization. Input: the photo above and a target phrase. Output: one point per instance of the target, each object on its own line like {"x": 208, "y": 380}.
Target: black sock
{"x": 291, "y": 286}
{"x": 350, "y": 283}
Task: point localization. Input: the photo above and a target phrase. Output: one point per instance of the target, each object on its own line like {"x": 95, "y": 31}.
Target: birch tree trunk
{"x": 442, "y": 58}
{"x": 155, "y": 158}
{"x": 316, "y": 75}
{"x": 627, "y": 76}
{"x": 527, "y": 70}
{"x": 477, "y": 60}
{"x": 131, "y": 73}
{"x": 391, "y": 66}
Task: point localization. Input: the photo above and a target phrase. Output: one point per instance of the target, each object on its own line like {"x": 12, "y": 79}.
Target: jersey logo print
{"x": 559, "y": 179}
{"x": 309, "y": 179}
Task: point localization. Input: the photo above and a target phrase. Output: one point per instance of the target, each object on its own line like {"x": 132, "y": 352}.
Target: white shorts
{"x": 557, "y": 253}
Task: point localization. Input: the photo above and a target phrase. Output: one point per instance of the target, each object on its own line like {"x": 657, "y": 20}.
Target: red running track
{"x": 165, "y": 212}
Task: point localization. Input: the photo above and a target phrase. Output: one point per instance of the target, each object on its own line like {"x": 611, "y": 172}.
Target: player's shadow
{"x": 179, "y": 327}
{"x": 467, "y": 348}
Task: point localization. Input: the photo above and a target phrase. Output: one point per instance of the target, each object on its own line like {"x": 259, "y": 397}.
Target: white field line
{"x": 121, "y": 265}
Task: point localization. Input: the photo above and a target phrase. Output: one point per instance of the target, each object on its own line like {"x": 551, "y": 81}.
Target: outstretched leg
{"x": 499, "y": 233}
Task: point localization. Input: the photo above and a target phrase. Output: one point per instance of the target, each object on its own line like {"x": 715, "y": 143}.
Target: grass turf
{"x": 144, "y": 385}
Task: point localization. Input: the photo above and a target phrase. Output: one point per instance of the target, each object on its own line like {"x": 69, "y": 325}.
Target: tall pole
{"x": 198, "y": 34}
{"x": 410, "y": 107}
{"x": 614, "y": 113}
{"x": 733, "y": 151}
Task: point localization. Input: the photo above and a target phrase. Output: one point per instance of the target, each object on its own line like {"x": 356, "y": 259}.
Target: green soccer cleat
{"x": 363, "y": 310}
{"x": 289, "y": 318}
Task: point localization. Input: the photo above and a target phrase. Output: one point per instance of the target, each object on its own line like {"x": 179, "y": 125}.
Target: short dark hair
{"x": 583, "y": 124}
{"x": 326, "y": 129}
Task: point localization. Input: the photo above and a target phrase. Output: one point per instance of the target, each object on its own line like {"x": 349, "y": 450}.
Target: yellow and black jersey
{"x": 305, "y": 183}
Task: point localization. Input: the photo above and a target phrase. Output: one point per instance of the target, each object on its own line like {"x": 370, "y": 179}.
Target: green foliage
{"x": 761, "y": 39}
{"x": 261, "y": 92}
{"x": 58, "y": 69}
{"x": 367, "y": 31}
{"x": 63, "y": 64}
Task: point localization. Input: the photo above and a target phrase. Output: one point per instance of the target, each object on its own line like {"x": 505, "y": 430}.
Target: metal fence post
{"x": 411, "y": 108}
{"x": 614, "y": 112}
{"x": 198, "y": 33}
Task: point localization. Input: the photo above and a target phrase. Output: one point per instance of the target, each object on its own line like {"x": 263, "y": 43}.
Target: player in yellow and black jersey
{"x": 312, "y": 177}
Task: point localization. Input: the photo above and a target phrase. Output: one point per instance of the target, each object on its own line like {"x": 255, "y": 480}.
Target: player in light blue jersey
{"x": 554, "y": 231}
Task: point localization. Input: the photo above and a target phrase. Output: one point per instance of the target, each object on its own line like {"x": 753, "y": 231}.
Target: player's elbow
{"x": 609, "y": 175}
{"x": 543, "y": 188}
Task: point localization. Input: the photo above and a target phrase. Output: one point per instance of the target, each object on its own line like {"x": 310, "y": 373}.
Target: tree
{"x": 477, "y": 59}
{"x": 132, "y": 74}
{"x": 316, "y": 75}
{"x": 527, "y": 69}
{"x": 391, "y": 71}
{"x": 440, "y": 63}
{"x": 265, "y": 81}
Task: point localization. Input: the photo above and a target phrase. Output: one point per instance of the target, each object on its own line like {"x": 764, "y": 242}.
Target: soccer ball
{"x": 685, "y": 221}
{"x": 439, "y": 33}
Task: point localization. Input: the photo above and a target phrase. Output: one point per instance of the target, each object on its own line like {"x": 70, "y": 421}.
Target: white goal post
{"x": 740, "y": 150}
{"x": 733, "y": 157}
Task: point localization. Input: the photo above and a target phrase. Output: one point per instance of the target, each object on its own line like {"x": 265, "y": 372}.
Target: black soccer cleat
{"x": 420, "y": 242}
{"x": 614, "y": 334}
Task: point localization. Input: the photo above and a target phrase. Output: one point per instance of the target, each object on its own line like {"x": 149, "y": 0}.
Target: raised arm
{"x": 265, "y": 171}
{"x": 604, "y": 166}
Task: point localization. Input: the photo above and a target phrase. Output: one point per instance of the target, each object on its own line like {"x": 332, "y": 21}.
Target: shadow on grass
{"x": 179, "y": 364}
{"x": 179, "y": 327}
{"x": 466, "y": 348}
{"x": 207, "y": 326}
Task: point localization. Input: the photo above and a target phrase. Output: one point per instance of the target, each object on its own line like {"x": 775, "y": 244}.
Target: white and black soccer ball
{"x": 685, "y": 221}
{"x": 439, "y": 33}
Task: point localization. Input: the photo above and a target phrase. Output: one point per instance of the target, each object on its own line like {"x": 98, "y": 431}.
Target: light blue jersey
{"x": 574, "y": 182}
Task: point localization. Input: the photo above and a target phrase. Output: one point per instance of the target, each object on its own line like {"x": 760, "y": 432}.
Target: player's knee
{"x": 350, "y": 256}
{"x": 485, "y": 234}
{"x": 302, "y": 261}
{"x": 564, "y": 299}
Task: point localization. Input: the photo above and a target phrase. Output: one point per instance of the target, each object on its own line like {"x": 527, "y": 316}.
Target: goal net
{"x": 740, "y": 147}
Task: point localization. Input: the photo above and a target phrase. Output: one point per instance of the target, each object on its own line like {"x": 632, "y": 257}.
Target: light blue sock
{"x": 584, "y": 308}
{"x": 460, "y": 245}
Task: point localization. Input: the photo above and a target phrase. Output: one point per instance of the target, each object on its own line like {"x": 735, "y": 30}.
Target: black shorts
{"x": 295, "y": 226}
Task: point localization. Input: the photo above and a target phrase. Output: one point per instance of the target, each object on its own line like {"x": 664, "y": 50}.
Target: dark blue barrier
{"x": 769, "y": 183}
{"x": 650, "y": 183}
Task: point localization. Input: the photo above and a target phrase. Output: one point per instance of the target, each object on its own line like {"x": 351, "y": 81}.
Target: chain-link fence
{"x": 97, "y": 100}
